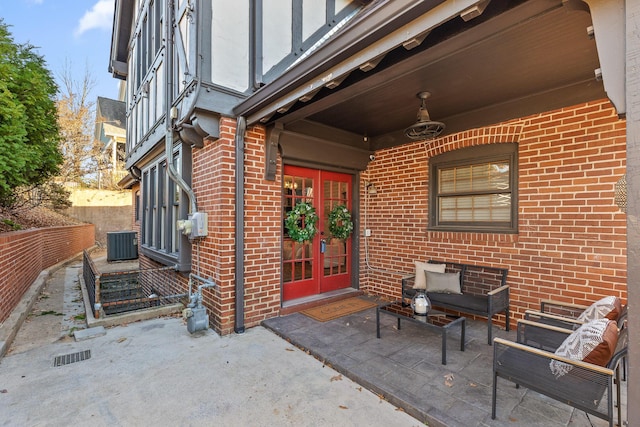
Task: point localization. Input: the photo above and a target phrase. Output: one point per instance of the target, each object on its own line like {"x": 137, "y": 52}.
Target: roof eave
{"x": 373, "y": 25}
{"x": 120, "y": 37}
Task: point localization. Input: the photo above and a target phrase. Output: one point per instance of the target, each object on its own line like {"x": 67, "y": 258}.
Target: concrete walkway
{"x": 154, "y": 373}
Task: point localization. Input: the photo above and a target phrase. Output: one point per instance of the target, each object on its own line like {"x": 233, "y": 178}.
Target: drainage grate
{"x": 72, "y": 358}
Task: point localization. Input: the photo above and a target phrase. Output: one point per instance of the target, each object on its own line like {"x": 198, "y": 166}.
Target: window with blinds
{"x": 474, "y": 189}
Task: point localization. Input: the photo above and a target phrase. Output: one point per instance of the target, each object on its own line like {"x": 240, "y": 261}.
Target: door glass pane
{"x": 297, "y": 259}
{"x": 335, "y": 256}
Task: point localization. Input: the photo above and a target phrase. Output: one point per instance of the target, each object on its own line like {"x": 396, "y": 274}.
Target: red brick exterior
{"x": 24, "y": 254}
{"x": 214, "y": 185}
{"x": 571, "y": 244}
{"x": 263, "y": 222}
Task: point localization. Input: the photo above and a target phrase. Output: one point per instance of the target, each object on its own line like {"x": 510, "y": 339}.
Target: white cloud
{"x": 99, "y": 17}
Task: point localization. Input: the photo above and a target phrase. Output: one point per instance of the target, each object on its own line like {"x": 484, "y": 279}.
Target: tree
{"x": 76, "y": 119}
{"x": 29, "y": 133}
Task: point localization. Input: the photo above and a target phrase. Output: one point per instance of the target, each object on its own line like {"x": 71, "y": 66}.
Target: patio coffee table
{"x": 436, "y": 321}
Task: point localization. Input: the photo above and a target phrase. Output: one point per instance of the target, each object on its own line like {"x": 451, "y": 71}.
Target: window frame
{"x": 474, "y": 155}
{"x": 137, "y": 207}
{"x": 160, "y": 239}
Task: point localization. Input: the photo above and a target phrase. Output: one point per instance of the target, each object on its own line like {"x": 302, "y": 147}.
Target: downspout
{"x": 255, "y": 44}
{"x": 196, "y": 11}
{"x": 171, "y": 114}
{"x": 241, "y": 127}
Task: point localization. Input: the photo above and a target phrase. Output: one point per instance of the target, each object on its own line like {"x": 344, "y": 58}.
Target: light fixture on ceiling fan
{"x": 424, "y": 128}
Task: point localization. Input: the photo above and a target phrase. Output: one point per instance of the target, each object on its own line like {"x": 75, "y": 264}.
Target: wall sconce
{"x": 370, "y": 188}
{"x": 621, "y": 193}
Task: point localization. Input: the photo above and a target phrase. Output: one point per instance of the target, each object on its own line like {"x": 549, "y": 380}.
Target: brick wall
{"x": 571, "y": 244}
{"x": 24, "y": 254}
{"x": 214, "y": 257}
{"x": 263, "y": 213}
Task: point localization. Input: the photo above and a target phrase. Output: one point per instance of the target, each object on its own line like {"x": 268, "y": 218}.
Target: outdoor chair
{"x": 571, "y": 316}
{"x": 581, "y": 384}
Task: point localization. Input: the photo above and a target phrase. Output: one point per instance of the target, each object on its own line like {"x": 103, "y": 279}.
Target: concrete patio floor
{"x": 404, "y": 366}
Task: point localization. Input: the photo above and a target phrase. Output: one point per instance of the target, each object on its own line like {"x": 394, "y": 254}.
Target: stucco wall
{"x": 107, "y": 210}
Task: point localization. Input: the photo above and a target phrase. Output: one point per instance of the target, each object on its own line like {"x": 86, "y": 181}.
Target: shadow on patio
{"x": 405, "y": 368}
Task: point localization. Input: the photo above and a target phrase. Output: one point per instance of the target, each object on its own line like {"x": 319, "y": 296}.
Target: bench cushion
{"x": 460, "y": 302}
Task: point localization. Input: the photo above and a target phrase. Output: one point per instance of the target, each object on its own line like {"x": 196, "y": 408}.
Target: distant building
{"x": 111, "y": 131}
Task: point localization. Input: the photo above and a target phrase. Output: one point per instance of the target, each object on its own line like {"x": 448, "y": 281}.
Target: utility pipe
{"x": 198, "y": 69}
{"x": 241, "y": 127}
{"x": 169, "y": 117}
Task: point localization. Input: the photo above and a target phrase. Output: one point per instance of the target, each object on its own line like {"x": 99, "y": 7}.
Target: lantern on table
{"x": 420, "y": 304}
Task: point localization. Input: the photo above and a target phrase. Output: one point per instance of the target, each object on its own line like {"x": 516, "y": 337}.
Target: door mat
{"x": 337, "y": 309}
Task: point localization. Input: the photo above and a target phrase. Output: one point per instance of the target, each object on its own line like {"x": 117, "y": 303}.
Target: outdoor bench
{"x": 483, "y": 291}
{"x": 535, "y": 362}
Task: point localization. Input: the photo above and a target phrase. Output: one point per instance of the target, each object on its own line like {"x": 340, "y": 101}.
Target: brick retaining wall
{"x": 24, "y": 254}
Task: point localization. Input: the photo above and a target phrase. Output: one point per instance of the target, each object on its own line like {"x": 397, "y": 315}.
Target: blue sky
{"x": 75, "y": 31}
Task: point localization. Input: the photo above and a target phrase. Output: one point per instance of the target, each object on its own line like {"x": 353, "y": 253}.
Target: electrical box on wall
{"x": 196, "y": 226}
{"x": 199, "y": 224}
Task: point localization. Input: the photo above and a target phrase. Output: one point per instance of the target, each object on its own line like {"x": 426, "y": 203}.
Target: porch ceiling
{"x": 509, "y": 62}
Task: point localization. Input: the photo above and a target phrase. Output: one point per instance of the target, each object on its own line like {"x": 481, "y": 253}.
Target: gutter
{"x": 171, "y": 112}
{"x": 241, "y": 127}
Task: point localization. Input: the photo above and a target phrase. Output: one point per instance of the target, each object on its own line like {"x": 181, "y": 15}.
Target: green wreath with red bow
{"x": 340, "y": 224}
{"x": 302, "y": 213}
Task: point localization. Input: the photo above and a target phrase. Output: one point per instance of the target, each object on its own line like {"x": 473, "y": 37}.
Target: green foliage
{"x": 49, "y": 312}
{"x": 340, "y": 224}
{"x": 301, "y": 222}
{"x": 29, "y": 132}
{"x": 57, "y": 197}
{"x": 12, "y": 224}
{"x": 49, "y": 194}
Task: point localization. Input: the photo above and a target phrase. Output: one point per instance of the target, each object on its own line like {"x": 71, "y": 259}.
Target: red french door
{"x": 324, "y": 263}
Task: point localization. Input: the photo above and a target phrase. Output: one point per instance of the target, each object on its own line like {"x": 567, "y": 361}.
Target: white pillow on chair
{"x": 421, "y": 267}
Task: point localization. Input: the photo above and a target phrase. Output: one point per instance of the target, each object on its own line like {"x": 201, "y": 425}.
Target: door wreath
{"x": 293, "y": 222}
{"x": 340, "y": 224}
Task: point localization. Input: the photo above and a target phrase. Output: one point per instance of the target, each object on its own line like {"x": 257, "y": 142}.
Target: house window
{"x": 474, "y": 189}
{"x": 161, "y": 208}
{"x": 137, "y": 206}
